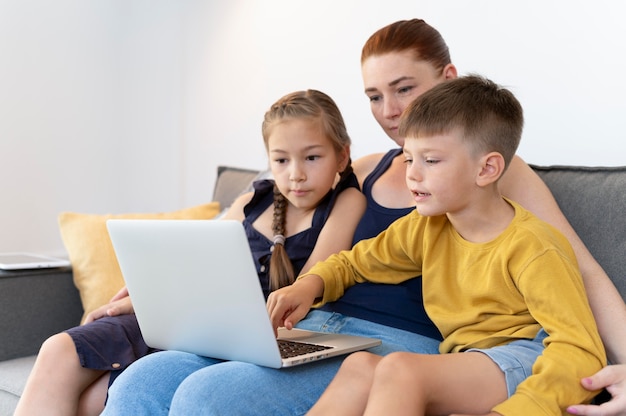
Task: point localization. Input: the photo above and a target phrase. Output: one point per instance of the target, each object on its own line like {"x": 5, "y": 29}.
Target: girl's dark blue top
{"x": 298, "y": 246}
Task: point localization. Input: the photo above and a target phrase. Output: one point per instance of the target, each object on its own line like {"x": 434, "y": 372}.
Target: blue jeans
{"x": 516, "y": 359}
{"x": 178, "y": 383}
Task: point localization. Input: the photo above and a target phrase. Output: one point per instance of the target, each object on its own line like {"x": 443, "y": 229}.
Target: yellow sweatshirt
{"x": 482, "y": 295}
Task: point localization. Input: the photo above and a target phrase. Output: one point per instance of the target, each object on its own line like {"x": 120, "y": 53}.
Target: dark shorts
{"x": 109, "y": 344}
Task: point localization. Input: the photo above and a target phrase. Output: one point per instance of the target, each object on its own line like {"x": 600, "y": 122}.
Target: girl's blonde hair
{"x": 318, "y": 107}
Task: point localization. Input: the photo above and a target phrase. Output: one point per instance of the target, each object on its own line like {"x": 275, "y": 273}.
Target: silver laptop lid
{"x": 194, "y": 288}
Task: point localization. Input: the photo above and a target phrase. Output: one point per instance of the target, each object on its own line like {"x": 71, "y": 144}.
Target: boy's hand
{"x": 288, "y": 305}
{"x": 613, "y": 378}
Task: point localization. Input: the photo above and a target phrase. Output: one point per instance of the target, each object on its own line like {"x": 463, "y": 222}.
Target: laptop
{"x": 194, "y": 288}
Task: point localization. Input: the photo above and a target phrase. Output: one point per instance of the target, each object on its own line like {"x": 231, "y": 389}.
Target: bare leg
{"x": 56, "y": 381}
{"x": 348, "y": 391}
{"x": 92, "y": 400}
{"x": 418, "y": 384}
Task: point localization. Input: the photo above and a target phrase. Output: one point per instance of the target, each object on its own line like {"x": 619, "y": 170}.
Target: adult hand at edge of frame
{"x": 613, "y": 379}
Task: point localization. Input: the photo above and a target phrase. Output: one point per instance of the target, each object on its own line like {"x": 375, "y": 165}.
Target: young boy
{"x": 499, "y": 283}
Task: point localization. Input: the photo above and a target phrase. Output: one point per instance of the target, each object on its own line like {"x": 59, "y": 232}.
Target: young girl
{"x": 309, "y": 211}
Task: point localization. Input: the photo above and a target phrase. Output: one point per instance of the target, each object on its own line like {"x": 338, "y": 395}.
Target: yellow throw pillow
{"x": 96, "y": 272}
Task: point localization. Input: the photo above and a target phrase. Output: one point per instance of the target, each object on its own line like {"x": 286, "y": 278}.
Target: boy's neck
{"x": 485, "y": 220}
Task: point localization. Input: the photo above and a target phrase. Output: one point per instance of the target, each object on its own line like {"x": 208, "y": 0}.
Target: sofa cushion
{"x": 14, "y": 375}
{"x": 593, "y": 199}
{"x": 96, "y": 272}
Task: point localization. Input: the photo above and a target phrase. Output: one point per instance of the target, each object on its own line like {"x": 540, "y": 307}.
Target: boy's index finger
{"x": 276, "y": 317}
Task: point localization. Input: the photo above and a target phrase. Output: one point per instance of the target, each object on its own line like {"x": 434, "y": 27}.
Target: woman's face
{"x": 395, "y": 79}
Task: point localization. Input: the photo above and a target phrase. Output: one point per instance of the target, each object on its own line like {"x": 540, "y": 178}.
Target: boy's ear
{"x": 492, "y": 168}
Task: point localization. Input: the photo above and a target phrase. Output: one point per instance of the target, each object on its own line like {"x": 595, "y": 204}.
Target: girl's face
{"x": 395, "y": 79}
{"x": 303, "y": 161}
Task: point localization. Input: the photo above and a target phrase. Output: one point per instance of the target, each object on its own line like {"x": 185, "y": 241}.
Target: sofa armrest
{"x": 35, "y": 304}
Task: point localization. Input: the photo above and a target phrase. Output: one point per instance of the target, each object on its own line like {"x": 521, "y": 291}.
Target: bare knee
{"x": 58, "y": 347}
{"x": 362, "y": 358}
{"x": 361, "y": 364}
{"x": 403, "y": 366}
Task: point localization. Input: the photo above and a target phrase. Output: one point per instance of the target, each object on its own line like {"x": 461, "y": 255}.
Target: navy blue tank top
{"x": 399, "y": 306}
{"x": 298, "y": 246}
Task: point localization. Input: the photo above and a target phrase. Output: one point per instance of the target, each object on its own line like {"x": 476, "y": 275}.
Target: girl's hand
{"x": 288, "y": 305}
{"x": 613, "y": 379}
{"x": 118, "y": 307}
{"x": 123, "y": 292}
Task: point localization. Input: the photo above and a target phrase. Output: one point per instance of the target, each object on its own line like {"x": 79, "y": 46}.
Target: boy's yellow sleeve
{"x": 382, "y": 259}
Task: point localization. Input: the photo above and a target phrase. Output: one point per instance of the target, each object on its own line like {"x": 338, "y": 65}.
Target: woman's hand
{"x": 120, "y": 304}
{"x": 288, "y": 305}
{"x": 613, "y": 379}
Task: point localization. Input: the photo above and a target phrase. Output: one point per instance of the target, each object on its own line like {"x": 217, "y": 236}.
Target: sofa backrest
{"x": 594, "y": 200}
{"x": 231, "y": 182}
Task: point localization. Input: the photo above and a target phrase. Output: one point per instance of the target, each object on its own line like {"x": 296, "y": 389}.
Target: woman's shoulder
{"x": 364, "y": 165}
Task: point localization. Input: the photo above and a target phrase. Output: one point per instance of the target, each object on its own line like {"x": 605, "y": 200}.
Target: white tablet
{"x": 19, "y": 261}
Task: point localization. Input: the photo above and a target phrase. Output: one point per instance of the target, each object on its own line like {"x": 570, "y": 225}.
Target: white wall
{"x": 90, "y": 110}
{"x": 129, "y": 105}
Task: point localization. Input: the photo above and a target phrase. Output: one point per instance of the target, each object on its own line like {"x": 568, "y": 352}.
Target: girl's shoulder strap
{"x": 263, "y": 197}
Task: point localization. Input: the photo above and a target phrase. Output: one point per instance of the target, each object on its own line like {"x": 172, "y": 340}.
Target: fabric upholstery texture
{"x": 232, "y": 182}
{"x": 11, "y": 383}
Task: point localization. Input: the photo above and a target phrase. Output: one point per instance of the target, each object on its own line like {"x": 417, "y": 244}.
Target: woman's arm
{"x": 339, "y": 228}
{"x": 520, "y": 183}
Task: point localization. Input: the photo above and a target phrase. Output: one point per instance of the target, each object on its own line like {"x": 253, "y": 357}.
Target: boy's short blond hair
{"x": 489, "y": 116}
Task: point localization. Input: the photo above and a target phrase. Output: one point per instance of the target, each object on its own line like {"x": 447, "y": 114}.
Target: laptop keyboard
{"x": 293, "y": 349}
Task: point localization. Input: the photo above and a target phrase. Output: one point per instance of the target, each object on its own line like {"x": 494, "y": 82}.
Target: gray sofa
{"x": 37, "y": 304}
